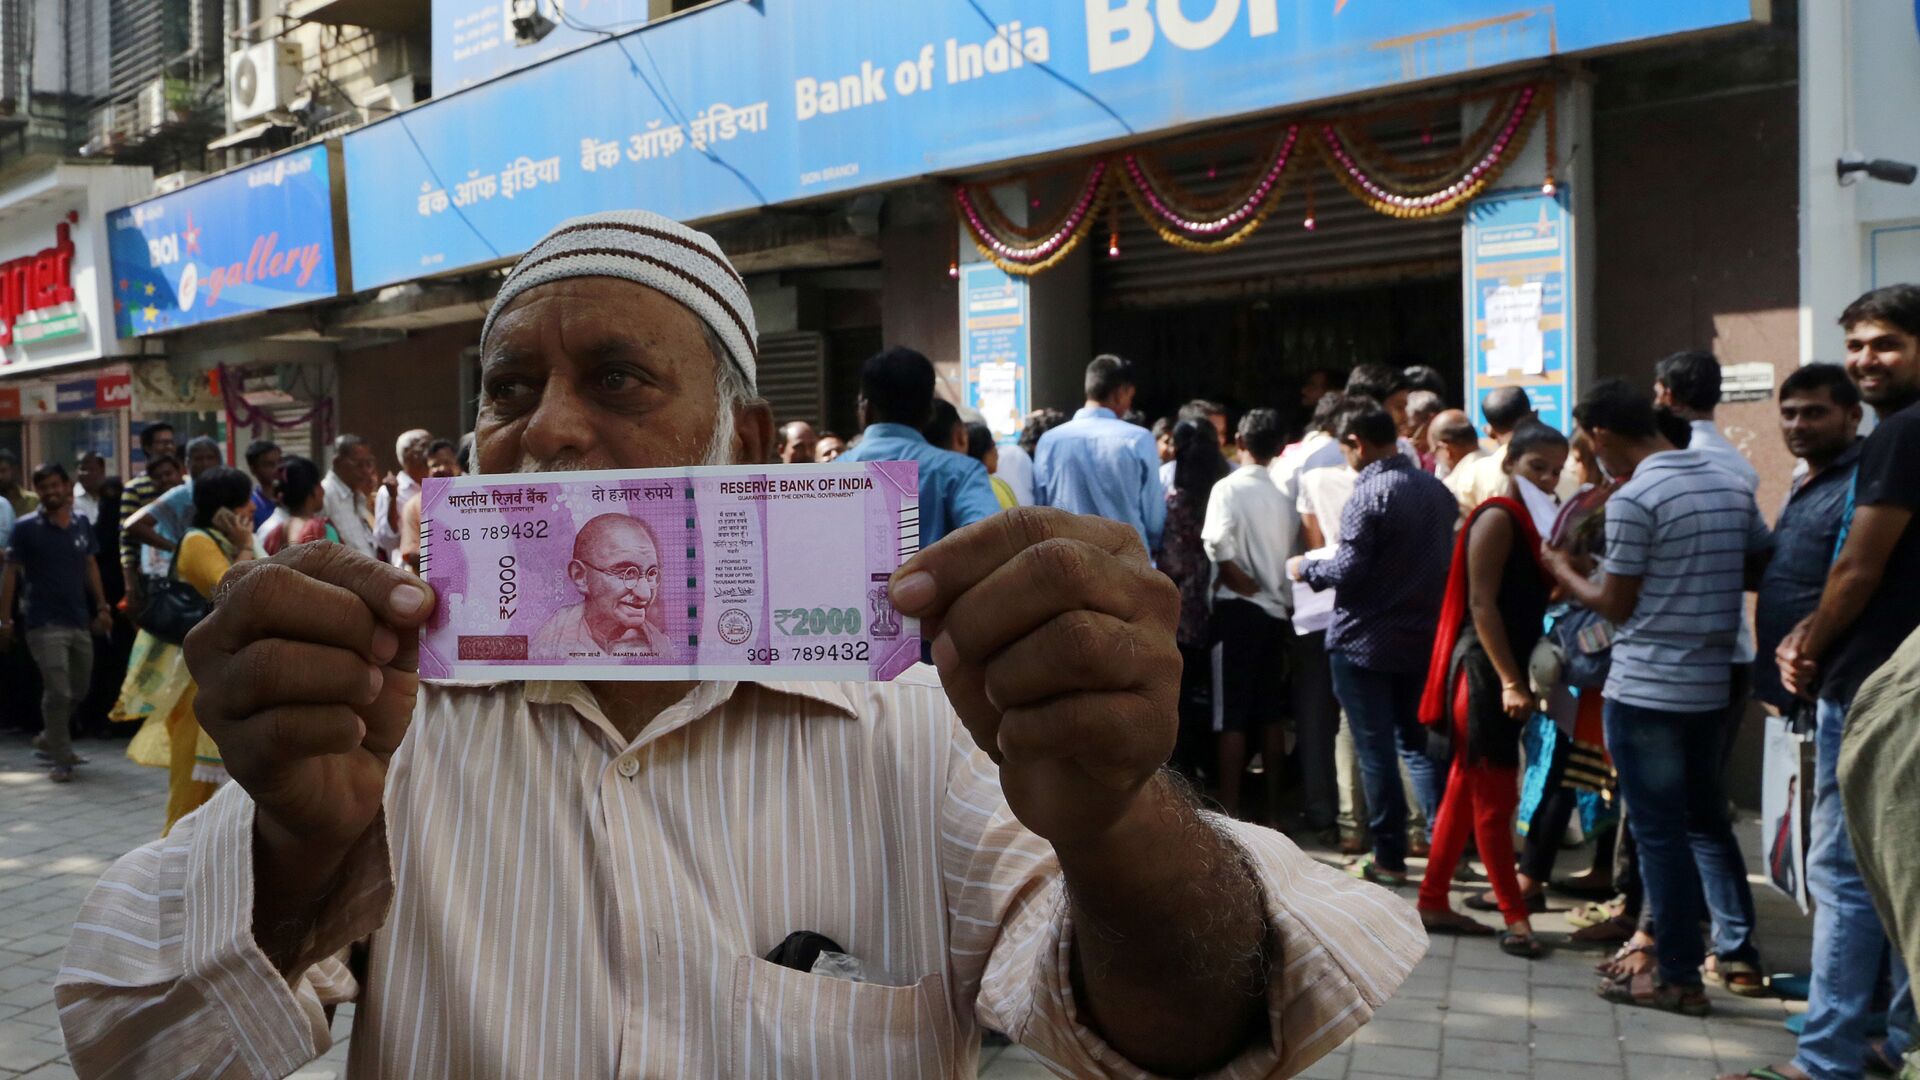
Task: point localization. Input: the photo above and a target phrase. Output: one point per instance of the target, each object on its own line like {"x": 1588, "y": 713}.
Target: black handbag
{"x": 173, "y": 606}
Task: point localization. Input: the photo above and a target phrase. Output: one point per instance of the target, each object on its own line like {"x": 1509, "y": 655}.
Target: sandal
{"x": 1586, "y": 887}
{"x": 1454, "y": 923}
{"x": 1609, "y": 932}
{"x": 1647, "y": 990}
{"x": 1524, "y": 946}
{"x": 1487, "y": 901}
{"x": 1592, "y": 914}
{"x": 1368, "y": 870}
{"x": 1764, "y": 1072}
{"x": 1615, "y": 965}
{"x": 1740, "y": 977}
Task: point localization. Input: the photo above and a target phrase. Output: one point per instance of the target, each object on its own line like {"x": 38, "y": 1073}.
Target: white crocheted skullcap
{"x": 654, "y": 251}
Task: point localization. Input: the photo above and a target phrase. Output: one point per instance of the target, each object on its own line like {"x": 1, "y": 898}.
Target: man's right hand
{"x": 307, "y": 670}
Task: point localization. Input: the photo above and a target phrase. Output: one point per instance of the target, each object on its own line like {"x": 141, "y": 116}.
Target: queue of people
{"x": 1397, "y": 615}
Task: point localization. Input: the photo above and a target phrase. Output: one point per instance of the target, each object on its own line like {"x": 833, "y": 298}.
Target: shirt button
{"x": 629, "y": 767}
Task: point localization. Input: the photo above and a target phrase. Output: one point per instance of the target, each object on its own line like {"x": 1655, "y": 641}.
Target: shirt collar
{"x": 702, "y": 700}
{"x": 1087, "y": 411}
{"x": 894, "y": 431}
{"x": 1386, "y": 464}
{"x": 1837, "y": 467}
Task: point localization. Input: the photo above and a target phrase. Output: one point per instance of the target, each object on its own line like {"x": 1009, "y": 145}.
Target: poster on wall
{"x": 886, "y": 92}
{"x": 994, "y": 354}
{"x": 1519, "y": 284}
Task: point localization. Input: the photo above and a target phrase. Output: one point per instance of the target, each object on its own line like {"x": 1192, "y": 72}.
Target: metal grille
{"x": 1351, "y": 243}
{"x": 13, "y": 49}
{"x": 793, "y": 375}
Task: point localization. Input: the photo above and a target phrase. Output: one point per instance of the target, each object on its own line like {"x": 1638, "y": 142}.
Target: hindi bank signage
{"x": 250, "y": 240}
{"x": 845, "y": 94}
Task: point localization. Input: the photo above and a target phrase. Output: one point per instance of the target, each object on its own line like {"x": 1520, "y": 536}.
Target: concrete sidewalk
{"x": 1468, "y": 1011}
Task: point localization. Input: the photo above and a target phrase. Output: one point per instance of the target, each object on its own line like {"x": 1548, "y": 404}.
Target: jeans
{"x": 1849, "y": 943}
{"x": 65, "y": 657}
{"x": 1670, "y": 774}
{"x": 1383, "y": 709}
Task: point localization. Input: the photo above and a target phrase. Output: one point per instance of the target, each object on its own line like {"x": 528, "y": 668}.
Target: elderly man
{"x": 1454, "y": 446}
{"x": 616, "y": 567}
{"x": 582, "y": 879}
{"x": 797, "y": 442}
{"x": 411, "y": 449}
{"x": 349, "y": 485}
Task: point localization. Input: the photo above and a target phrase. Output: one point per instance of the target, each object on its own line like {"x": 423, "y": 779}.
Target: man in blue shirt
{"x": 1390, "y": 570}
{"x": 1820, "y": 419}
{"x": 896, "y": 398}
{"x": 51, "y": 551}
{"x": 1097, "y": 463}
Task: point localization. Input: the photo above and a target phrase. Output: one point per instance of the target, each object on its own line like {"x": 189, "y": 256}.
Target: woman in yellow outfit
{"x": 221, "y": 536}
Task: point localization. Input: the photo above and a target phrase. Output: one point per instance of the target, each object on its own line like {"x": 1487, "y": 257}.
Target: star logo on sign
{"x": 149, "y": 288}
{"x": 150, "y": 313}
{"x": 192, "y": 233}
{"x": 124, "y": 285}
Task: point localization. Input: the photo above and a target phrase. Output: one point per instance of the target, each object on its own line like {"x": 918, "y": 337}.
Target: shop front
{"x": 63, "y": 377}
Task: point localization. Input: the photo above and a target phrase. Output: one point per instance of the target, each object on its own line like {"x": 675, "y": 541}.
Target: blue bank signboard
{"x": 249, "y": 240}
{"x": 883, "y": 91}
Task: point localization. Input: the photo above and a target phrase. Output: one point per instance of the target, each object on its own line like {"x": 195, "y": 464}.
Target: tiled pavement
{"x": 1467, "y": 1013}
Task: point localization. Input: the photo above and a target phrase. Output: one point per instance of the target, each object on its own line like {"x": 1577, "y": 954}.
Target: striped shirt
{"x": 548, "y": 899}
{"x": 1684, "y": 526}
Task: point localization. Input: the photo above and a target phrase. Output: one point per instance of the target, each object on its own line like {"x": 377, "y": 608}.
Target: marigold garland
{"x": 1186, "y": 231}
{"x": 1032, "y": 258}
{"x": 1382, "y": 199}
{"x": 1398, "y": 173}
{"x": 1208, "y": 224}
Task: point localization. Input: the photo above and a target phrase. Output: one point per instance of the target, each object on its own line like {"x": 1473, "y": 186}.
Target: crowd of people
{"x": 1405, "y": 623}
{"x": 98, "y": 574}
{"x": 1396, "y": 615}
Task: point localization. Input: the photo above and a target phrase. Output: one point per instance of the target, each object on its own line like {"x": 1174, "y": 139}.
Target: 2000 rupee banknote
{"x": 730, "y": 572}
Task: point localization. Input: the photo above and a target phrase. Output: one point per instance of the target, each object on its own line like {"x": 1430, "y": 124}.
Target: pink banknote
{"x": 731, "y": 572}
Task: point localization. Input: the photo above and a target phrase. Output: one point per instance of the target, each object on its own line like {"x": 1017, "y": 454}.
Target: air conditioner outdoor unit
{"x": 151, "y": 106}
{"x": 174, "y": 181}
{"x": 261, "y": 78}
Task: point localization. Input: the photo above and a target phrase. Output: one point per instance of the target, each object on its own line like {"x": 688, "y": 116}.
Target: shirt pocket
{"x": 790, "y": 1023}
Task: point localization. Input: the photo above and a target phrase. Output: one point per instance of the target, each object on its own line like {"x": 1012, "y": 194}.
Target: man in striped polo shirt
{"x": 1680, "y": 534}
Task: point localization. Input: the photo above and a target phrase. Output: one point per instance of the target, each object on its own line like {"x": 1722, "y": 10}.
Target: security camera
{"x": 1892, "y": 172}
{"x": 530, "y": 24}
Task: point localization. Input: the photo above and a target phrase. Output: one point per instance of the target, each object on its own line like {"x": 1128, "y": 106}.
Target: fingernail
{"x": 386, "y": 644}
{"x": 375, "y": 680}
{"x": 943, "y": 651}
{"x": 406, "y": 599}
{"x": 912, "y": 592}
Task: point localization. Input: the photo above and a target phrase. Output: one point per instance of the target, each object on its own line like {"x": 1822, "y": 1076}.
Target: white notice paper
{"x": 1312, "y": 611}
{"x": 1514, "y": 341}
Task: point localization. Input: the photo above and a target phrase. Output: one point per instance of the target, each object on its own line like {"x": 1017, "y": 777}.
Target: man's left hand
{"x": 1054, "y": 637}
{"x": 103, "y": 623}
